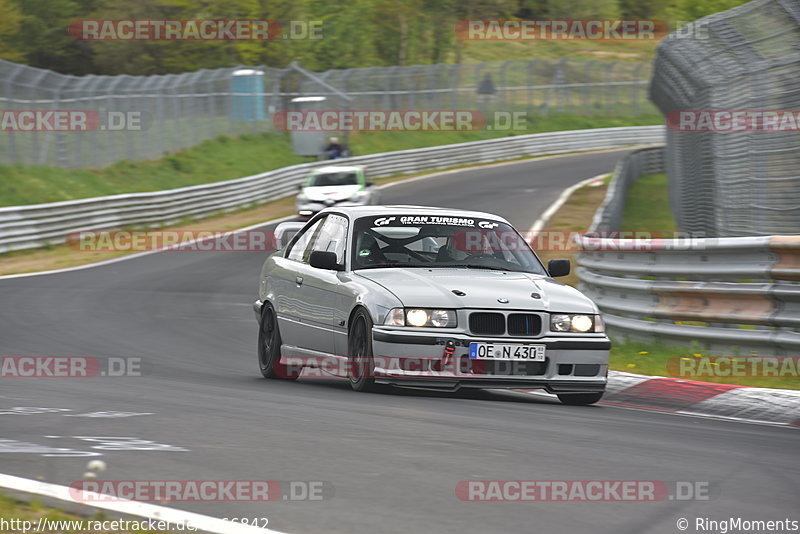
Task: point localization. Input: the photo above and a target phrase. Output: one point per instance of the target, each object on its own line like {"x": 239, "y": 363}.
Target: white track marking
{"x": 555, "y": 206}
{"x": 203, "y": 523}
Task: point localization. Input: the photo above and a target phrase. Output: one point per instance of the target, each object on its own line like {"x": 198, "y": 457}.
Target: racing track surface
{"x": 394, "y": 459}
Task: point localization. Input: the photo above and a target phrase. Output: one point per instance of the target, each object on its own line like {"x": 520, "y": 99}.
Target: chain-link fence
{"x": 725, "y": 182}
{"x": 144, "y": 117}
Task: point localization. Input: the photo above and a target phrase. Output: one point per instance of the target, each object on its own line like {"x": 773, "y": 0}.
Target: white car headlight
{"x": 580, "y": 323}
{"x": 421, "y": 317}
{"x": 417, "y": 317}
{"x": 358, "y": 196}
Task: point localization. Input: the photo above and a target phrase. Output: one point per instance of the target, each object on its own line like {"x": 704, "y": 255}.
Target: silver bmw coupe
{"x": 424, "y": 297}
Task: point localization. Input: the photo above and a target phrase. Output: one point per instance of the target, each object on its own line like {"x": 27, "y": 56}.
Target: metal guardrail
{"x": 31, "y": 226}
{"x": 738, "y": 294}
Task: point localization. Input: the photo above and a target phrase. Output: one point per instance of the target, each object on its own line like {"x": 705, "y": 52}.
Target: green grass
{"x": 13, "y": 509}
{"x": 226, "y": 158}
{"x": 630, "y": 50}
{"x": 664, "y": 360}
{"x": 647, "y": 207}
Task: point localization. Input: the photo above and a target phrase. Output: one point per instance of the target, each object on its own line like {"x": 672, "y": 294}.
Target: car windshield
{"x": 333, "y": 178}
{"x": 441, "y": 242}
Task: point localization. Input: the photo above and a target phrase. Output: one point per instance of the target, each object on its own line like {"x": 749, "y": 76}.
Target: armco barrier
{"x": 737, "y": 295}
{"x": 31, "y": 226}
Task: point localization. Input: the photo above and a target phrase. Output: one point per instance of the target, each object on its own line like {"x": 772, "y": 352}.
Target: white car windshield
{"x": 441, "y": 242}
{"x": 333, "y": 178}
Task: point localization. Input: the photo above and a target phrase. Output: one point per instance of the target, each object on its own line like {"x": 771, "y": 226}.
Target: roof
{"x": 339, "y": 168}
{"x": 368, "y": 211}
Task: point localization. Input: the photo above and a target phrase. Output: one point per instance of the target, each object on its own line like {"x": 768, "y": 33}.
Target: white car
{"x": 425, "y": 297}
{"x": 336, "y": 186}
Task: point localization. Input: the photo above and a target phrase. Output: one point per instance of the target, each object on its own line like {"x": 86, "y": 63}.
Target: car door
{"x": 319, "y": 288}
{"x": 287, "y": 280}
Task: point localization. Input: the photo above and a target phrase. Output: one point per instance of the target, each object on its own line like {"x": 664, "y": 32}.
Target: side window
{"x": 333, "y": 236}
{"x": 301, "y": 249}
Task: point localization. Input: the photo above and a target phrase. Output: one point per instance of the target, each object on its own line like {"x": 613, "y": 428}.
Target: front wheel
{"x": 579, "y": 399}
{"x": 361, "y": 369}
{"x": 269, "y": 347}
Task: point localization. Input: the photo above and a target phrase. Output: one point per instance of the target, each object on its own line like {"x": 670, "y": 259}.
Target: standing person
{"x": 334, "y": 149}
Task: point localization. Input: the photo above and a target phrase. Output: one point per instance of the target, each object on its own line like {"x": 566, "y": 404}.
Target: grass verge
{"x": 647, "y": 206}
{"x": 17, "y": 513}
{"x": 665, "y": 360}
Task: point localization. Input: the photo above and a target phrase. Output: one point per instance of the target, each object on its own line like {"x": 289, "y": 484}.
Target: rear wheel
{"x": 361, "y": 370}
{"x": 269, "y": 347}
{"x": 579, "y": 399}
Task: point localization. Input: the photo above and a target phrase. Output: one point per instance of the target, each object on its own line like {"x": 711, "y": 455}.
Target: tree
{"x": 690, "y": 10}
{"x": 43, "y": 39}
{"x": 10, "y": 21}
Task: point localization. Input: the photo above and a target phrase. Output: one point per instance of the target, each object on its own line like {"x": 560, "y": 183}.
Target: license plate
{"x": 506, "y": 351}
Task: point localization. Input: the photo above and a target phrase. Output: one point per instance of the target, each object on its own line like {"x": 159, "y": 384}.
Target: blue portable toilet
{"x": 247, "y": 95}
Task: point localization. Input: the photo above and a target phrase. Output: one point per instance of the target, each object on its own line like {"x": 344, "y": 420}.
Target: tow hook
{"x": 449, "y": 349}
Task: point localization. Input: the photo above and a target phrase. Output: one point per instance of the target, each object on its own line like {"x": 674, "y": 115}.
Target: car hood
{"x": 434, "y": 288}
{"x": 330, "y": 192}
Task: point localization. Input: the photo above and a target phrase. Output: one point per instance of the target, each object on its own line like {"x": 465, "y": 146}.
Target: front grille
{"x": 487, "y": 324}
{"x": 524, "y": 324}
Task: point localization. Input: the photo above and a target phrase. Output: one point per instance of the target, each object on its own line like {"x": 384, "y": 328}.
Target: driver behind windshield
{"x": 441, "y": 242}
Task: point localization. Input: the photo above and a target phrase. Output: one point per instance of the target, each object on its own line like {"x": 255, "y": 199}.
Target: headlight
{"x": 417, "y": 317}
{"x": 358, "y": 196}
{"x": 562, "y": 322}
{"x": 421, "y": 317}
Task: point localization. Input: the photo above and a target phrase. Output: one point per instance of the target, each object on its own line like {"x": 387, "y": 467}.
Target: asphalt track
{"x": 394, "y": 459}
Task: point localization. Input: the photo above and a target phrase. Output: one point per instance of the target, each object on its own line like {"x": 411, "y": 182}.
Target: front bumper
{"x": 420, "y": 359}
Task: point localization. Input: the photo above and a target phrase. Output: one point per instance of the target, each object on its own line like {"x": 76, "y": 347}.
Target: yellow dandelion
{"x": 697, "y": 355}
{"x": 643, "y": 352}
{"x": 631, "y": 365}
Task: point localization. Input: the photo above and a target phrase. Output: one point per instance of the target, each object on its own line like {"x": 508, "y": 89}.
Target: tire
{"x": 579, "y": 399}
{"x": 360, "y": 369}
{"x": 269, "y": 347}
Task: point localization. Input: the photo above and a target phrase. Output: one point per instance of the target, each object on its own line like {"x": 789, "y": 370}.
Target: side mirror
{"x": 369, "y": 183}
{"x": 300, "y": 187}
{"x": 558, "y": 268}
{"x": 322, "y": 259}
